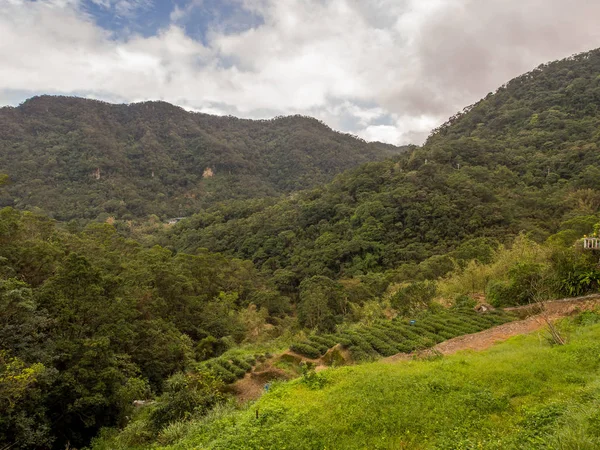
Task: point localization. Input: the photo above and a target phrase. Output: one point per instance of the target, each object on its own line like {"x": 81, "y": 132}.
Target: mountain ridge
{"x": 155, "y": 158}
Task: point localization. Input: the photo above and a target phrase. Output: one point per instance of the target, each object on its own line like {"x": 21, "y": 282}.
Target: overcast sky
{"x": 388, "y": 70}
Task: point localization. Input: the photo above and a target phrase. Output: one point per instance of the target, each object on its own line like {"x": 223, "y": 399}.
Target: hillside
{"x": 521, "y": 394}
{"x": 523, "y": 159}
{"x": 78, "y": 158}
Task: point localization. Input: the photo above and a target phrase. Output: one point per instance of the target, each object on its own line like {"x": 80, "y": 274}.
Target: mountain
{"x": 523, "y": 159}
{"x": 79, "y": 158}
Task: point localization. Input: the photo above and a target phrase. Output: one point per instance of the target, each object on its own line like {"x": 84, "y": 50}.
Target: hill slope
{"x": 74, "y": 157}
{"x": 524, "y": 393}
{"x": 522, "y": 159}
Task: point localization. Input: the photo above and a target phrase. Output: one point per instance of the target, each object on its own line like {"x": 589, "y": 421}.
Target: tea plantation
{"x": 386, "y": 338}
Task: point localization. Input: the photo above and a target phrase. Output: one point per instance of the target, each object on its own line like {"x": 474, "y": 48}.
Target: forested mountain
{"x": 78, "y": 158}
{"x": 522, "y": 159}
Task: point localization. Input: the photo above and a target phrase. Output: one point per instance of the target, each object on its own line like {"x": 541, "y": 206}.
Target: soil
{"x": 253, "y": 384}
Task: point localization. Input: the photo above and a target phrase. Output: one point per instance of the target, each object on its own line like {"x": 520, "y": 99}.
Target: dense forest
{"x": 78, "y": 158}
{"x": 92, "y": 320}
{"x": 521, "y": 160}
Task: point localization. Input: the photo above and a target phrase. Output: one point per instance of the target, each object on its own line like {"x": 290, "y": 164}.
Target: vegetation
{"x": 490, "y": 209}
{"x": 386, "y": 338}
{"x": 83, "y": 159}
{"x": 524, "y": 159}
{"x": 90, "y": 322}
{"x": 522, "y": 394}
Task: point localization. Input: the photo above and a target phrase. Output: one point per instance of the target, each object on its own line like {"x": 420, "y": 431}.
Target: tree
{"x": 414, "y": 297}
{"x": 321, "y": 300}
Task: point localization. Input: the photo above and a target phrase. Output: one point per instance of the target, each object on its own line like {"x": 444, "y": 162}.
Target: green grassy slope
{"x": 521, "y": 394}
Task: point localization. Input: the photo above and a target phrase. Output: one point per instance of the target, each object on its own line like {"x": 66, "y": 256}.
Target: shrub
{"x": 359, "y": 354}
{"x": 521, "y": 287}
{"x": 391, "y": 333}
{"x": 362, "y": 343}
{"x": 220, "y": 372}
{"x": 322, "y": 348}
{"x": 186, "y": 394}
{"x": 588, "y": 318}
{"x": 328, "y": 340}
{"x": 241, "y": 363}
{"x": 380, "y": 334}
{"x": 344, "y": 340}
{"x": 238, "y": 372}
{"x": 305, "y": 349}
{"x": 380, "y": 346}
{"x": 407, "y": 346}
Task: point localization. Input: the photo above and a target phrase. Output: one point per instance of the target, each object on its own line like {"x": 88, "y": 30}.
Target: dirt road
{"x": 552, "y": 310}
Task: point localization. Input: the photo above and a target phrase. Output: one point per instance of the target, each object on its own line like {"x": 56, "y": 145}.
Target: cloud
{"x": 386, "y": 70}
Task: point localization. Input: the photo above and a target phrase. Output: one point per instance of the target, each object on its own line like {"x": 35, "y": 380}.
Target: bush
{"x": 407, "y": 347}
{"x": 588, "y": 318}
{"x": 344, "y": 339}
{"x": 359, "y": 354}
{"x": 318, "y": 345}
{"x": 328, "y": 340}
{"x": 238, "y": 372}
{"x": 380, "y": 346}
{"x": 521, "y": 287}
{"x": 186, "y": 394}
{"x": 239, "y": 362}
{"x": 221, "y": 372}
{"x": 362, "y": 343}
{"x": 305, "y": 349}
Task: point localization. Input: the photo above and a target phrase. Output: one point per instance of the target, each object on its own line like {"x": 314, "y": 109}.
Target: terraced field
{"x": 231, "y": 368}
{"x": 390, "y": 337}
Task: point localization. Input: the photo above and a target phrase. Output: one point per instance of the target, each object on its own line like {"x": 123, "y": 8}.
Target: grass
{"x": 522, "y": 394}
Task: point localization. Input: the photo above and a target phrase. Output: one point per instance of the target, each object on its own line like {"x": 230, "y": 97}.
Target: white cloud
{"x": 384, "y": 69}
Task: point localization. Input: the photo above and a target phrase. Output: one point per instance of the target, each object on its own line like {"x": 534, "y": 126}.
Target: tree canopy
{"x": 79, "y": 158}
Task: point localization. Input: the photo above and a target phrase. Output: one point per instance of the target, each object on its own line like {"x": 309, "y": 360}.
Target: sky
{"x": 387, "y": 70}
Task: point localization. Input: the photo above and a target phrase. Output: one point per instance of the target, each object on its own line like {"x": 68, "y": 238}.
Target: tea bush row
{"x": 230, "y": 369}
{"x": 401, "y": 336}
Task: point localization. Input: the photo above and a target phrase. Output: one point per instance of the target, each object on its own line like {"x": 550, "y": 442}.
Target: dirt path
{"x": 553, "y": 310}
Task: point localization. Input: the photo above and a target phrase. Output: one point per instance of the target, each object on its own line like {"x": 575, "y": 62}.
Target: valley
{"x": 412, "y": 273}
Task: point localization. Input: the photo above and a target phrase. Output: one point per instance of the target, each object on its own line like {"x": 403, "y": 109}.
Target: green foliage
{"x": 386, "y": 338}
{"x": 521, "y": 160}
{"x": 22, "y": 423}
{"x": 109, "y": 321}
{"x": 517, "y": 395}
{"x": 78, "y": 158}
{"x": 519, "y": 289}
{"x": 310, "y": 378}
{"x": 321, "y": 300}
{"x": 305, "y": 349}
{"x": 414, "y": 297}
{"x": 185, "y": 395}
{"x": 108, "y": 318}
